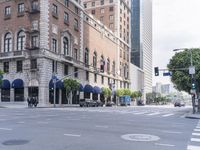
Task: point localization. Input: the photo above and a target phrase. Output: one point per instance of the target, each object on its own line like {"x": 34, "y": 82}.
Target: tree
{"x": 181, "y": 78}
{"x": 107, "y": 93}
{"x": 71, "y": 86}
{"x": 119, "y": 92}
{"x": 1, "y": 77}
{"x": 127, "y": 92}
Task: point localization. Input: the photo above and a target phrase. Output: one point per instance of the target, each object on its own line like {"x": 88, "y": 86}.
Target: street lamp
{"x": 192, "y": 72}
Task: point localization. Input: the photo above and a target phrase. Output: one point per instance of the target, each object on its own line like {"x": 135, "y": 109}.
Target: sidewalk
{"x": 190, "y": 115}
{"x": 13, "y": 104}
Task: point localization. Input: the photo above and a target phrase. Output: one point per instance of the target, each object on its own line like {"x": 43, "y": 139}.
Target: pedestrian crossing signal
{"x": 156, "y": 70}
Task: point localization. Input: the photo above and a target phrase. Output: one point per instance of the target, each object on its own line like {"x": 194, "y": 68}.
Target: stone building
{"x": 42, "y": 38}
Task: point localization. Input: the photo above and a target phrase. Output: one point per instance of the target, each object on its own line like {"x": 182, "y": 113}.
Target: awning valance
{"x": 18, "y": 83}
{"x": 97, "y": 90}
{"x": 5, "y": 84}
{"x": 88, "y": 88}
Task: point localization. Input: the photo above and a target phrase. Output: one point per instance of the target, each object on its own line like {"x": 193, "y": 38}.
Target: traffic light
{"x": 156, "y": 70}
{"x": 193, "y": 84}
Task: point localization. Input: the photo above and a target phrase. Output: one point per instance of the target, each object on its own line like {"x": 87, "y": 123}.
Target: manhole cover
{"x": 15, "y": 142}
{"x": 140, "y": 137}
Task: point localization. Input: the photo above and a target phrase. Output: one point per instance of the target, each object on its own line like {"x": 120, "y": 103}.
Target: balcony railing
{"x": 11, "y": 54}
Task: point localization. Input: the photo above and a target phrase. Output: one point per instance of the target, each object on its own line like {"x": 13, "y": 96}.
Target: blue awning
{"x": 59, "y": 84}
{"x": 81, "y": 88}
{"x": 18, "y": 83}
{"x": 88, "y": 88}
{"x": 97, "y": 90}
{"x": 5, "y": 84}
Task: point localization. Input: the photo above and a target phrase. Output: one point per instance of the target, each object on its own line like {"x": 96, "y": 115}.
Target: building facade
{"x": 45, "y": 38}
{"x": 141, "y": 39}
{"x": 115, "y": 15}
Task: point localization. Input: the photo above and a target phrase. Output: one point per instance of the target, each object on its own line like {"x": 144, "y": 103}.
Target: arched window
{"x": 20, "y": 40}
{"x": 108, "y": 66}
{"x": 86, "y": 56}
{"x": 7, "y": 42}
{"x": 66, "y": 46}
{"x": 113, "y": 68}
{"x": 102, "y": 65}
{"x": 95, "y": 60}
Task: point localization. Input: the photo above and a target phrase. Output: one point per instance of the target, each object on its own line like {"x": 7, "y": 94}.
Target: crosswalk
{"x": 194, "y": 143}
{"x": 148, "y": 113}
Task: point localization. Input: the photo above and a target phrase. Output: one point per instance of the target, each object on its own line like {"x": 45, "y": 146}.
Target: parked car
{"x": 110, "y": 104}
{"x": 179, "y": 104}
{"x": 90, "y": 103}
{"x": 140, "y": 103}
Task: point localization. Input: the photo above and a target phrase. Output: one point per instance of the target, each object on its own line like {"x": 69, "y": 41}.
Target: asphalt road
{"x": 138, "y": 128}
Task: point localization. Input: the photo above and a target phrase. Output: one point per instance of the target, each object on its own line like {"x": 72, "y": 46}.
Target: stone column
{"x": 25, "y": 93}
{"x": 90, "y": 95}
{"x": 43, "y": 96}
{"x": 11, "y": 95}
{"x": 60, "y": 97}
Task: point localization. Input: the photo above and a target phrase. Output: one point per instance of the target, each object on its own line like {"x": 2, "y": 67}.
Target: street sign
{"x": 192, "y": 70}
{"x": 167, "y": 74}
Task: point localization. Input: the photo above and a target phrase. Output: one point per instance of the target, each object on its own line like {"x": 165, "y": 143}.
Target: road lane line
{"x": 6, "y": 129}
{"x": 191, "y": 147}
{"x": 99, "y": 126}
{"x": 167, "y": 115}
{"x": 195, "y": 140}
{"x": 198, "y": 130}
{"x": 152, "y": 114}
{"x": 196, "y": 134}
{"x": 73, "y": 135}
{"x": 168, "y": 145}
{"x": 139, "y": 113}
{"x": 172, "y": 132}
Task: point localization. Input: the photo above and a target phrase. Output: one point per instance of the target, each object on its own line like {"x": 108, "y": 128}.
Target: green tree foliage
{"x": 106, "y": 92}
{"x": 1, "y": 77}
{"x": 71, "y": 85}
{"x": 119, "y": 92}
{"x": 127, "y": 92}
{"x": 182, "y": 78}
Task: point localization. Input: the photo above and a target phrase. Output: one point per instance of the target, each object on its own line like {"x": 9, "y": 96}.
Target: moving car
{"x": 179, "y": 104}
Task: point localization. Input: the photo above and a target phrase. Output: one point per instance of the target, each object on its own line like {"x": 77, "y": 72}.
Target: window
{"x": 95, "y": 78}
{"x": 102, "y": 79}
{"x": 33, "y": 63}
{"x": 86, "y": 57}
{"x": 111, "y": 1}
{"x": 7, "y": 11}
{"x": 76, "y": 54}
{"x": 113, "y": 68}
{"x": 111, "y": 9}
{"x": 66, "y": 17}
{"x": 19, "y": 66}
{"x": 54, "y": 66}
{"x": 87, "y": 76}
{"x": 102, "y": 10}
{"x": 76, "y": 24}
{"x": 20, "y": 40}
{"x": 111, "y": 25}
{"x": 102, "y": 65}
{"x": 102, "y": 2}
{"x": 93, "y": 12}
{"x": 111, "y": 17}
{"x": 6, "y": 67}
{"x": 54, "y": 45}
{"x": 66, "y": 70}
{"x": 93, "y": 4}
{"x": 108, "y": 66}
{"x": 66, "y": 2}
{"x": 76, "y": 9}
{"x": 21, "y": 8}
{"x": 7, "y": 42}
{"x": 66, "y": 46}
{"x": 35, "y": 41}
{"x": 101, "y": 18}
{"x": 85, "y": 5}
{"x": 35, "y": 5}
{"x": 55, "y": 10}
{"x": 76, "y": 72}
{"x": 95, "y": 60}
{"x": 121, "y": 53}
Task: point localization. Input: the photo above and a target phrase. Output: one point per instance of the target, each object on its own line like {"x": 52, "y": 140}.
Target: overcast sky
{"x": 176, "y": 24}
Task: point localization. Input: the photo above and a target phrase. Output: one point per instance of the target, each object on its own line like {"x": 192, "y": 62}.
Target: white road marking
{"x": 198, "y": 130}
{"x": 152, "y": 114}
{"x": 139, "y": 113}
{"x": 172, "y": 132}
{"x": 195, "y": 140}
{"x": 21, "y": 122}
{"x": 73, "y": 135}
{"x": 168, "y": 145}
{"x": 167, "y": 115}
{"x": 6, "y": 129}
{"x": 196, "y": 134}
{"x": 198, "y": 127}
{"x": 42, "y": 122}
{"x": 191, "y": 147}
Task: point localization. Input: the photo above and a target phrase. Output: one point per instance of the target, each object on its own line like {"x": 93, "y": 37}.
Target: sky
{"x": 176, "y": 24}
